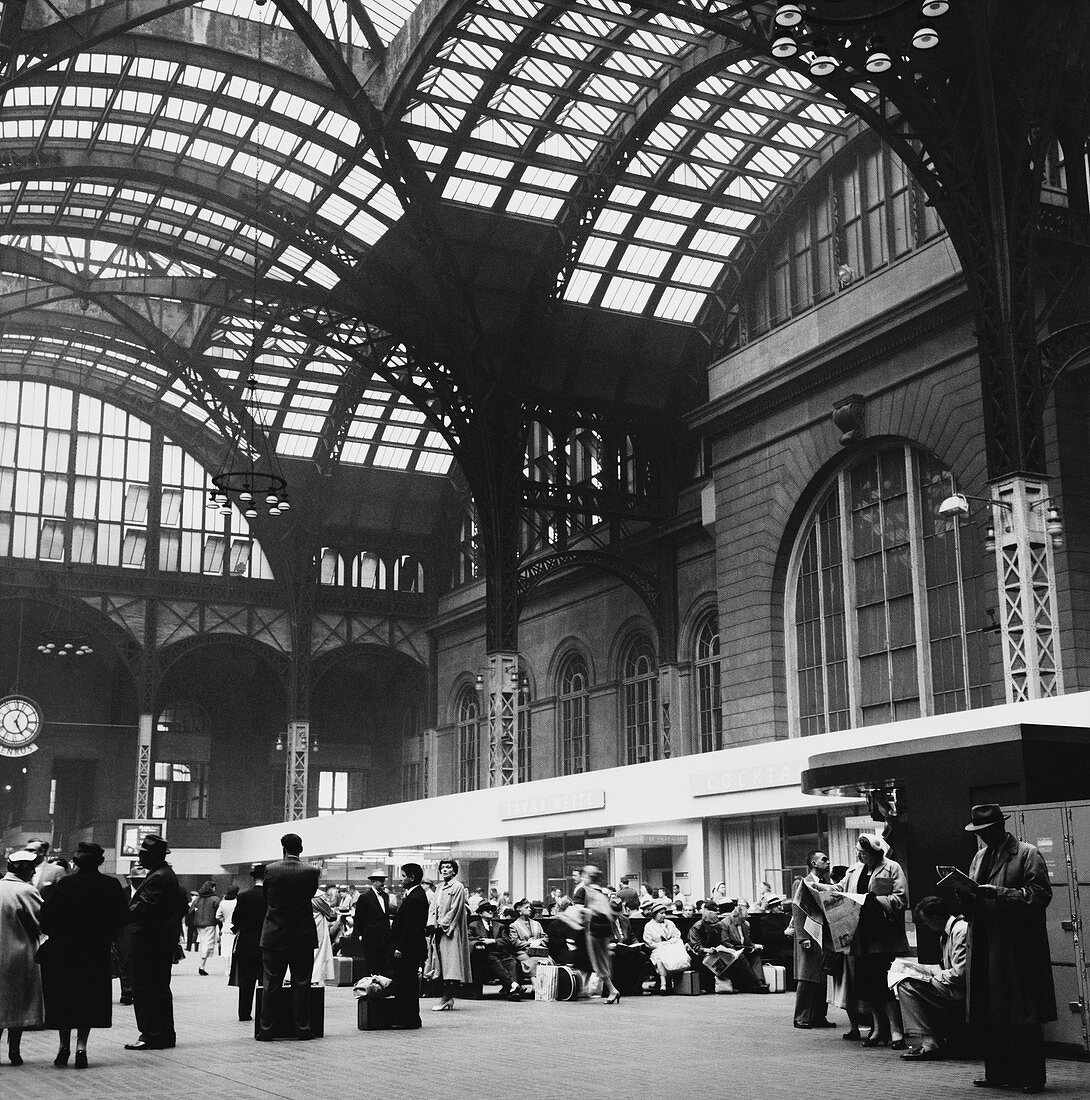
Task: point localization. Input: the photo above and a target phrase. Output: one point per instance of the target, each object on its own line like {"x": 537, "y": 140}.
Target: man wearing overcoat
{"x": 371, "y": 922}
{"x": 155, "y": 926}
{"x": 1010, "y": 991}
{"x": 409, "y": 947}
{"x": 246, "y": 923}
{"x": 288, "y": 936}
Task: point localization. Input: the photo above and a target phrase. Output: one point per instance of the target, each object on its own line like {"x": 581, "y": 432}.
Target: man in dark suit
{"x": 246, "y": 923}
{"x": 410, "y": 948}
{"x": 155, "y": 926}
{"x": 371, "y": 923}
{"x": 288, "y": 936}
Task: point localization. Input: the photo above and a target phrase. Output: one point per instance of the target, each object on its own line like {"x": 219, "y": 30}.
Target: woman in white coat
{"x": 21, "y": 1003}
{"x": 448, "y": 930}
{"x": 224, "y": 914}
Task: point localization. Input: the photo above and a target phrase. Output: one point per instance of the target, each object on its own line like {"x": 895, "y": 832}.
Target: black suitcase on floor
{"x": 284, "y": 1020}
{"x": 375, "y": 1013}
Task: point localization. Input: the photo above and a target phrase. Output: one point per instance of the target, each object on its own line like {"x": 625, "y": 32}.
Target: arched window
{"x": 468, "y": 567}
{"x": 330, "y": 567}
{"x": 468, "y": 769}
{"x": 525, "y": 762}
{"x": 877, "y": 614}
{"x": 574, "y": 716}
{"x": 641, "y": 702}
{"x": 368, "y": 571}
{"x": 408, "y": 574}
{"x": 709, "y": 703}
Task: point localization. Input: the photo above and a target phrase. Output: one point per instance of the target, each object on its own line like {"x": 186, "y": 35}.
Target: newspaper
{"x": 953, "y": 876}
{"x": 842, "y": 911}
{"x": 721, "y": 959}
{"x": 908, "y": 968}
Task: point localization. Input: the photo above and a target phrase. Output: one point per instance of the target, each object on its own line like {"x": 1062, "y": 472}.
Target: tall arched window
{"x": 709, "y": 703}
{"x": 877, "y": 620}
{"x": 330, "y": 567}
{"x": 368, "y": 571}
{"x": 408, "y": 574}
{"x": 468, "y": 769}
{"x": 525, "y": 760}
{"x": 641, "y": 702}
{"x": 574, "y": 716}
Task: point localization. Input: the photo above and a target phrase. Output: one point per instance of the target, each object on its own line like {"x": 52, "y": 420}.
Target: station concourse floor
{"x": 734, "y": 1047}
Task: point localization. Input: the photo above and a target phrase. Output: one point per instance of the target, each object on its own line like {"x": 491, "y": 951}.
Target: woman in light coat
{"x": 879, "y": 937}
{"x": 660, "y": 930}
{"x": 448, "y": 951}
{"x": 224, "y": 915}
{"x": 21, "y": 1003}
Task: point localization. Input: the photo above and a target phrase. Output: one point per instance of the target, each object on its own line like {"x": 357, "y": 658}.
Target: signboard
{"x": 544, "y": 805}
{"x": 732, "y": 780}
{"x": 642, "y": 840}
{"x": 131, "y": 832}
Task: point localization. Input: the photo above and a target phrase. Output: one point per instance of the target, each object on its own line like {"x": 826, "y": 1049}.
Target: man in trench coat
{"x": 1010, "y": 990}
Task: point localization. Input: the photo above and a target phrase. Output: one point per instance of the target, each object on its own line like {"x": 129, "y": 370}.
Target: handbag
{"x": 672, "y": 956}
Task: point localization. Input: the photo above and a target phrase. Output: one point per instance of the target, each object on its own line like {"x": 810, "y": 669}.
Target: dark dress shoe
{"x": 245, "y": 1019}
{"x": 804, "y": 1027}
{"x": 81, "y": 1059}
{"x": 62, "y": 1057}
{"x": 922, "y": 1054}
{"x": 852, "y": 1036}
{"x": 141, "y": 1044}
{"x": 823, "y": 1023}
{"x": 898, "y": 1044}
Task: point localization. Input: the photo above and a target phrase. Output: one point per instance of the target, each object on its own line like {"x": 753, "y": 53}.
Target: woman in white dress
{"x": 327, "y": 924}
{"x": 660, "y": 930}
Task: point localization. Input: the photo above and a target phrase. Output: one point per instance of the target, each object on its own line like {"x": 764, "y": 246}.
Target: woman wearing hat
{"x": 879, "y": 937}
{"x": 81, "y": 917}
{"x": 20, "y": 983}
{"x": 660, "y": 930}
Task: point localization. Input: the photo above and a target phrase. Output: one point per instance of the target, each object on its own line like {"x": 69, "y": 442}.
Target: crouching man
{"x": 927, "y": 1007}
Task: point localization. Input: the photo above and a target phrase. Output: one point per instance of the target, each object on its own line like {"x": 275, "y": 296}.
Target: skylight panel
{"x": 532, "y": 204}
{"x": 546, "y": 178}
{"x": 303, "y": 422}
{"x": 470, "y": 191}
{"x": 667, "y": 204}
{"x": 596, "y": 251}
{"x": 707, "y": 240}
{"x": 627, "y": 295}
{"x": 295, "y": 446}
{"x": 697, "y": 272}
{"x": 566, "y": 147}
{"x": 480, "y": 165}
{"x": 394, "y": 458}
{"x": 354, "y": 454}
{"x": 640, "y": 260}
{"x": 364, "y": 227}
{"x": 405, "y": 436}
{"x": 429, "y": 462}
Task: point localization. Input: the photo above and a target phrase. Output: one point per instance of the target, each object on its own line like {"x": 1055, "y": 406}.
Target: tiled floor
{"x": 737, "y": 1047}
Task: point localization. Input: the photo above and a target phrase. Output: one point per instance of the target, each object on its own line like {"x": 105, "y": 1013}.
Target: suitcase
{"x": 557, "y": 983}
{"x": 347, "y": 970}
{"x": 687, "y": 983}
{"x": 776, "y": 977}
{"x": 375, "y": 1013}
{"x": 284, "y": 1022}
{"x": 724, "y": 985}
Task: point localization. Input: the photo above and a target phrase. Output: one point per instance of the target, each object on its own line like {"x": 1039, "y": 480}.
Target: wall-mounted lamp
{"x": 279, "y": 746}
{"x": 957, "y": 505}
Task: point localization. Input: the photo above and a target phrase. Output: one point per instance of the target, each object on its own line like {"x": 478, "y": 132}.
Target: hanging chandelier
{"x": 250, "y": 476}
{"x": 855, "y": 37}
{"x": 64, "y": 637}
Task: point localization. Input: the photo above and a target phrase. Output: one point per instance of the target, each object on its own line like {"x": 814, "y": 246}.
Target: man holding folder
{"x": 1010, "y": 990}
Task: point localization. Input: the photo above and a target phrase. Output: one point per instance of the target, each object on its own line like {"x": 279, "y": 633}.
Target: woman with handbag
{"x": 599, "y": 923}
{"x": 879, "y": 937}
{"x": 668, "y": 954}
{"x": 81, "y": 916}
{"x": 448, "y": 932}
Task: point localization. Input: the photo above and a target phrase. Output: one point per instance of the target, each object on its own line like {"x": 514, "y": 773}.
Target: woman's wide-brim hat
{"x": 985, "y": 816}
{"x": 659, "y": 907}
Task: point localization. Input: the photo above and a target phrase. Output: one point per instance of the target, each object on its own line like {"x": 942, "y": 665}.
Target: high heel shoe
{"x": 876, "y": 1041}
{"x": 62, "y": 1057}
{"x": 614, "y": 998}
{"x": 444, "y": 1006}
{"x": 81, "y": 1059}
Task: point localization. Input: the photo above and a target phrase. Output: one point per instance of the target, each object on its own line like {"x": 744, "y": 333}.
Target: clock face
{"x": 20, "y": 721}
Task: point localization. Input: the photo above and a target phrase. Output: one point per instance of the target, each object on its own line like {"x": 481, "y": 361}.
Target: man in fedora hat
{"x": 155, "y": 925}
{"x": 246, "y": 923}
{"x": 1010, "y": 991}
{"x": 371, "y": 922}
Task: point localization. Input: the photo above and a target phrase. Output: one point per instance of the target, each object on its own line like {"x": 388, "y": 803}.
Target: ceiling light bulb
{"x": 788, "y": 14}
{"x": 925, "y": 38}
{"x": 272, "y": 499}
{"x": 932, "y": 9}
{"x": 274, "y": 511}
{"x": 213, "y": 501}
{"x": 823, "y": 64}
{"x": 42, "y": 649}
{"x": 250, "y": 513}
{"x": 245, "y": 496}
{"x": 878, "y": 61}
{"x": 69, "y": 645}
{"x": 284, "y": 505}
{"x": 224, "y": 509}
{"x": 62, "y": 653}
{"x": 785, "y": 46}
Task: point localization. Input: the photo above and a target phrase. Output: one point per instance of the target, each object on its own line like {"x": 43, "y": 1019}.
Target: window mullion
{"x": 851, "y": 626}
{"x": 961, "y": 609}
{"x": 919, "y": 581}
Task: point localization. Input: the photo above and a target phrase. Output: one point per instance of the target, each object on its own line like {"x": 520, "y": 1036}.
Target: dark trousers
{"x": 375, "y": 951}
{"x": 502, "y": 965}
{"x": 248, "y": 970}
{"x": 149, "y": 969}
{"x": 811, "y": 1006}
{"x": 747, "y": 973}
{"x": 299, "y": 959}
{"x": 406, "y": 975}
{"x": 1014, "y": 1054}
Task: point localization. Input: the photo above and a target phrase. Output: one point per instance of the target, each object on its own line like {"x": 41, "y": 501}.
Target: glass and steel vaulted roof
{"x": 204, "y": 194}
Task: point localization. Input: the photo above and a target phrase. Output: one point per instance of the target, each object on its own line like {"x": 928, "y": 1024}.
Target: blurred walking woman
{"x": 600, "y": 929}
{"x": 81, "y": 917}
{"x": 448, "y": 952}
